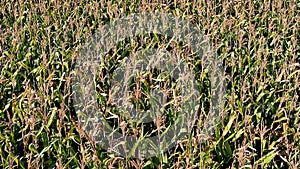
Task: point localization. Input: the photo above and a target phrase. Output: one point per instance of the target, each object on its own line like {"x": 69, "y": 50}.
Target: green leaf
{"x": 51, "y": 117}
{"x": 31, "y": 147}
{"x": 267, "y": 158}
{"x": 228, "y": 126}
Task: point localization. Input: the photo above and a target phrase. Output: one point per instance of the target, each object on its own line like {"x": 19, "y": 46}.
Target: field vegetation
{"x": 257, "y": 41}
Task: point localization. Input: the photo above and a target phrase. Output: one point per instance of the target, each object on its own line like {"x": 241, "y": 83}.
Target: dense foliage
{"x": 257, "y": 40}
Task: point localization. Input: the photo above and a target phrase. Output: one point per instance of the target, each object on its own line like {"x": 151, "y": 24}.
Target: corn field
{"x": 257, "y": 43}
